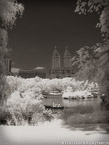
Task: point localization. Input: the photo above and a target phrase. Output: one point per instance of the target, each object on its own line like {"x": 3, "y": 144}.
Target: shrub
{"x": 38, "y": 86}
{"x": 36, "y": 118}
{"x": 4, "y": 115}
{"x": 48, "y": 114}
{"x": 22, "y": 109}
{"x": 14, "y": 82}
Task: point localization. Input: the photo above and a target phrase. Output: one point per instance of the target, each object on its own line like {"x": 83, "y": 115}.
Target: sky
{"x": 45, "y": 24}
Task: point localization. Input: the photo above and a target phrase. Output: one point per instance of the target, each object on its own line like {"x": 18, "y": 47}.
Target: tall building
{"x": 58, "y": 71}
{"x": 56, "y": 59}
{"x": 67, "y": 59}
{"x": 8, "y": 63}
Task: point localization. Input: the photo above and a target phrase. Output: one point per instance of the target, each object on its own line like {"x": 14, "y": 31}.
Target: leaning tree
{"x": 102, "y": 8}
{"x": 9, "y": 10}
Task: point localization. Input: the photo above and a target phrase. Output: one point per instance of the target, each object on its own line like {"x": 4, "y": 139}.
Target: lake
{"x": 95, "y": 103}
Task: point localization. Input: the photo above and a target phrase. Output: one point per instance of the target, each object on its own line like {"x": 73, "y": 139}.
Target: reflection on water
{"x": 71, "y": 103}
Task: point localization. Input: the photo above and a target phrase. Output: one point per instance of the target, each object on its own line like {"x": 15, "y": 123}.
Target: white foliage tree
{"x": 102, "y": 8}
{"x": 9, "y": 9}
{"x": 86, "y": 63}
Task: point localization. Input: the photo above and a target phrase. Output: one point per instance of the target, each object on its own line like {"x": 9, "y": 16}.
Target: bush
{"x": 4, "y": 115}
{"x": 48, "y": 114}
{"x": 24, "y": 104}
{"x": 36, "y": 118}
{"x": 38, "y": 86}
{"x": 22, "y": 109}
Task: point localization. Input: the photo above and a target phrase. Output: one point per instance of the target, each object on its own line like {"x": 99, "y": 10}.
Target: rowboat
{"x": 53, "y": 107}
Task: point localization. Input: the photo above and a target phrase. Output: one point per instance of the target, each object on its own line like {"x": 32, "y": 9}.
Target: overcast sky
{"x": 48, "y": 23}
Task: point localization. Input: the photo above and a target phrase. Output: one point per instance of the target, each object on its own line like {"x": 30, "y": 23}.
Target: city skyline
{"x": 45, "y": 24}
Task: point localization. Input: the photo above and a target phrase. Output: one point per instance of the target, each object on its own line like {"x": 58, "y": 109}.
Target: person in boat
{"x": 103, "y": 98}
{"x": 56, "y": 105}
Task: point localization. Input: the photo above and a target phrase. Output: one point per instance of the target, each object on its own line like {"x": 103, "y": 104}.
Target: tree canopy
{"x": 9, "y": 10}
{"x": 85, "y": 63}
{"x": 99, "y": 6}
{"x": 102, "y": 8}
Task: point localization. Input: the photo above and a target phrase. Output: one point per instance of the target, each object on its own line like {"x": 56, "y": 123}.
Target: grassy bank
{"x": 84, "y": 115}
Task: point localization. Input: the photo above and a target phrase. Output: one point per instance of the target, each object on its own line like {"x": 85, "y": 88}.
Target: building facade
{"x": 57, "y": 70}
{"x": 56, "y": 60}
{"x": 8, "y": 64}
{"x": 67, "y": 59}
{"x": 29, "y": 73}
{"x": 32, "y": 73}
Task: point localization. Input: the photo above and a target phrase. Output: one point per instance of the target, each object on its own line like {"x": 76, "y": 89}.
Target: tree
{"x": 99, "y": 6}
{"x": 9, "y": 9}
{"x": 102, "y": 8}
{"x": 86, "y": 63}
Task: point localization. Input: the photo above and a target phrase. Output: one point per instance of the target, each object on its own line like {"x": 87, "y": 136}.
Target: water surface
{"x": 95, "y": 103}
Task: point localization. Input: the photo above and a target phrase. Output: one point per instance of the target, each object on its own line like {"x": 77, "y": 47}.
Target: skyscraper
{"x": 67, "y": 59}
{"x": 58, "y": 71}
{"x": 55, "y": 59}
{"x": 8, "y": 63}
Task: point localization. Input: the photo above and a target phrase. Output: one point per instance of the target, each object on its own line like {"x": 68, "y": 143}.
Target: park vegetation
{"x": 21, "y": 99}
{"x": 92, "y": 63}
{"x": 9, "y": 10}
{"x": 24, "y": 105}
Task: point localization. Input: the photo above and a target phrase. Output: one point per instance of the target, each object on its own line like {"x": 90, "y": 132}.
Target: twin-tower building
{"x": 56, "y": 59}
{"x": 61, "y": 66}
